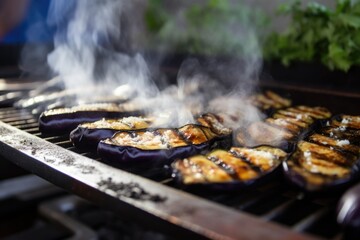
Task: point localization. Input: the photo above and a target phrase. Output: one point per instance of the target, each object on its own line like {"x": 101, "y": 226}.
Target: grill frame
{"x": 180, "y": 219}
{"x": 181, "y": 214}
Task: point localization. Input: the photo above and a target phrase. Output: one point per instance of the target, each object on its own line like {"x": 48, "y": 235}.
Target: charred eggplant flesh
{"x": 159, "y": 145}
{"x": 231, "y": 169}
{"x": 88, "y": 135}
{"x": 327, "y": 159}
{"x": 283, "y": 129}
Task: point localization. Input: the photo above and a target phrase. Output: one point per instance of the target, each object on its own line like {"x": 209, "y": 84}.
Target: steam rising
{"x": 86, "y": 49}
{"x": 91, "y": 53}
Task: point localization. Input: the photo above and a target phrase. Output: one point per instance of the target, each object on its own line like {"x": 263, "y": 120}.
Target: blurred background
{"x": 278, "y": 31}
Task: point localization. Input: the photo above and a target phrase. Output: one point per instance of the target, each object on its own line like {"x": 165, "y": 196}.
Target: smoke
{"x": 94, "y": 52}
{"x": 89, "y": 48}
{"x": 226, "y": 36}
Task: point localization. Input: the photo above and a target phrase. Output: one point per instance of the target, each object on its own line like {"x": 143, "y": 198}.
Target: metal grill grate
{"x": 274, "y": 201}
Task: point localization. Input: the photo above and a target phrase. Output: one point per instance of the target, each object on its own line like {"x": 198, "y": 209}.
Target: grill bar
{"x": 81, "y": 172}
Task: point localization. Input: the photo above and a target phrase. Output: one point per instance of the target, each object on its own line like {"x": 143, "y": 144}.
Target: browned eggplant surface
{"x": 235, "y": 168}
{"x": 269, "y": 100}
{"x": 214, "y": 122}
{"x": 161, "y": 145}
{"x": 63, "y": 120}
{"x": 329, "y": 158}
{"x": 88, "y": 135}
{"x": 283, "y": 129}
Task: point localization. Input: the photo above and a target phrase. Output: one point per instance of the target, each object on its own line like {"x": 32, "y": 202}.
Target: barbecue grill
{"x": 273, "y": 210}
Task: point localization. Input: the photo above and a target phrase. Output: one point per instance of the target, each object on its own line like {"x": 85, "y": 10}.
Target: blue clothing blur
{"x": 34, "y": 27}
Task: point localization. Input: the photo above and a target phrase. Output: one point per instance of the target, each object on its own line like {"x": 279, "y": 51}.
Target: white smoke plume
{"x": 93, "y": 51}
{"x": 88, "y": 52}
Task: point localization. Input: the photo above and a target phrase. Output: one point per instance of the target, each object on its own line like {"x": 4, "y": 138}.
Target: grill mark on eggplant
{"x": 353, "y": 135}
{"x": 325, "y": 141}
{"x": 209, "y": 170}
{"x": 301, "y": 116}
{"x": 323, "y": 166}
{"x": 323, "y": 152}
{"x": 321, "y": 112}
{"x": 295, "y": 121}
{"x": 347, "y": 121}
{"x": 253, "y": 157}
{"x": 314, "y": 112}
{"x": 236, "y": 167}
{"x": 282, "y": 124}
{"x": 227, "y": 168}
{"x": 284, "y": 102}
{"x": 268, "y": 100}
{"x": 237, "y": 170}
{"x": 188, "y": 133}
{"x": 213, "y": 122}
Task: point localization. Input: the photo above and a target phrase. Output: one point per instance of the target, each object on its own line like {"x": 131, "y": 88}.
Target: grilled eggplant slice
{"x": 64, "y": 120}
{"x": 269, "y": 100}
{"x": 346, "y": 121}
{"x": 316, "y": 167}
{"x": 159, "y": 146}
{"x": 228, "y": 170}
{"x": 283, "y": 129}
{"x": 352, "y": 135}
{"x": 88, "y": 135}
{"x": 260, "y": 133}
{"x": 214, "y": 122}
{"x": 338, "y": 144}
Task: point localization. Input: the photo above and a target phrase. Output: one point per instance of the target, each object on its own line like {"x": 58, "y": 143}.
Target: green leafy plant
{"x": 319, "y": 34}
{"x": 215, "y": 27}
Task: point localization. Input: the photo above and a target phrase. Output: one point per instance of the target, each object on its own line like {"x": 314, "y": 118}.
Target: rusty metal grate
{"x": 274, "y": 201}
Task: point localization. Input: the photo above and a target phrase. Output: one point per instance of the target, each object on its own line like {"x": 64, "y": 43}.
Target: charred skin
{"x": 64, "y": 120}
{"x": 232, "y": 169}
{"x": 158, "y": 146}
{"x": 88, "y": 135}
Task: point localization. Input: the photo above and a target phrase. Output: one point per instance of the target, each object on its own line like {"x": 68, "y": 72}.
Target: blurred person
{"x": 23, "y": 21}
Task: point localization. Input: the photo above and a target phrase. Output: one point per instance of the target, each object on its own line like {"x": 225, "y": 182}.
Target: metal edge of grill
{"x": 132, "y": 195}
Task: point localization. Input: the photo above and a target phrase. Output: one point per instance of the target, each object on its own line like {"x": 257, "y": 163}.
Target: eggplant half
{"x": 88, "y": 135}
{"x": 159, "y": 146}
{"x": 269, "y": 100}
{"x": 283, "y": 129}
{"x": 214, "y": 122}
{"x": 64, "y": 120}
{"x": 228, "y": 170}
{"x": 329, "y": 158}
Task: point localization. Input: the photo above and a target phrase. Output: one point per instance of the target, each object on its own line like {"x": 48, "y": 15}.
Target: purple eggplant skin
{"x": 348, "y": 213}
{"x": 86, "y": 138}
{"x": 66, "y": 122}
{"x": 131, "y": 156}
{"x": 335, "y": 185}
{"x": 126, "y": 156}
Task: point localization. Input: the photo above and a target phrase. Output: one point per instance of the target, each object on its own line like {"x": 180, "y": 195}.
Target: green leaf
{"x": 339, "y": 57}
{"x": 349, "y": 20}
